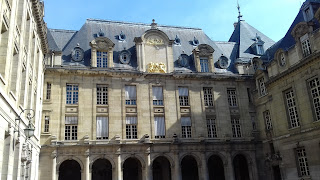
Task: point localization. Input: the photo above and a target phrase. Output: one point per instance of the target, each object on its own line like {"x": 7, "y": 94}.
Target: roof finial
{"x": 153, "y": 24}
{"x": 239, "y": 16}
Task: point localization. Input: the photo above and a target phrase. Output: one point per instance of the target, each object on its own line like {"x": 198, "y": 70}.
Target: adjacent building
{"x": 23, "y": 45}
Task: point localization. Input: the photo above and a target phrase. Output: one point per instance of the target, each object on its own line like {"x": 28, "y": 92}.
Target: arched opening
{"x": 161, "y": 169}
{"x": 189, "y": 168}
{"x": 101, "y": 170}
{"x": 215, "y": 168}
{"x": 132, "y": 169}
{"x": 70, "y": 169}
{"x": 240, "y": 166}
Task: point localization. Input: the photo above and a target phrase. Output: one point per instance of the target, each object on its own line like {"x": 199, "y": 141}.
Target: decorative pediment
{"x": 300, "y": 29}
{"x": 102, "y": 43}
{"x": 204, "y": 50}
{"x": 156, "y": 37}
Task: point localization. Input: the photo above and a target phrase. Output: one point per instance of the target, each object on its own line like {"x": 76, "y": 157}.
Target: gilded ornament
{"x": 154, "y": 41}
{"x": 156, "y": 68}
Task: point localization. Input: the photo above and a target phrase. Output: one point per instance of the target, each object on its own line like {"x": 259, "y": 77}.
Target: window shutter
{"x": 71, "y": 120}
{"x": 102, "y": 127}
{"x": 131, "y": 120}
{"x": 159, "y": 126}
{"x": 130, "y": 92}
{"x": 157, "y": 93}
{"x": 183, "y": 91}
{"x": 185, "y": 121}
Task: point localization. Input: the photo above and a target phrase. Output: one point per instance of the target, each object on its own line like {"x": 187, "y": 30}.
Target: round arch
{"x": 69, "y": 169}
{"x": 156, "y": 32}
{"x": 198, "y": 160}
{"x": 69, "y": 158}
{"x": 102, "y": 157}
{"x": 190, "y": 169}
{"x": 169, "y": 158}
{"x": 223, "y": 157}
{"x": 139, "y": 158}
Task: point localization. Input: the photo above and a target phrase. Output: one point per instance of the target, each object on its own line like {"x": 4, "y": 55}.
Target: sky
{"x": 215, "y": 17}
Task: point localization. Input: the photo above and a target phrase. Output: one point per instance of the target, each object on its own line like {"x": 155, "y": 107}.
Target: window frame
{"x": 262, "y": 87}
{"x": 236, "y": 127}
{"x": 105, "y": 136}
{"x": 102, "y": 94}
{"x": 132, "y": 129}
{"x": 293, "y": 123}
{"x": 302, "y": 162}
{"x": 186, "y": 130}
{"x": 232, "y": 97}
{"x": 208, "y": 97}
{"x": 48, "y": 92}
{"x": 46, "y": 124}
{"x": 183, "y": 100}
{"x": 74, "y": 94}
{"x": 204, "y": 64}
{"x": 315, "y": 110}
{"x": 212, "y": 127}
{"x": 102, "y": 59}
{"x": 159, "y": 135}
{"x": 157, "y": 101}
{"x": 267, "y": 120}
{"x": 305, "y": 45}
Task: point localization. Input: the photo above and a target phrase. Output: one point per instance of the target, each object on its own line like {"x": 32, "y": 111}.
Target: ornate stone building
{"x": 23, "y": 45}
{"x": 142, "y": 101}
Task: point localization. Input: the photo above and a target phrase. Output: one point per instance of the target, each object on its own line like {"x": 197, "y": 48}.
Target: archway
{"x": 70, "y": 169}
{"x": 101, "y": 170}
{"x": 189, "y": 168}
{"x": 161, "y": 169}
{"x": 132, "y": 169}
{"x": 240, "y": 166}
{"x": 215, "y": 168}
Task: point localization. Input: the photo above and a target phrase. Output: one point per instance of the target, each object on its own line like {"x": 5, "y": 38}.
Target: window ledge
{"x": 45, "y": 134}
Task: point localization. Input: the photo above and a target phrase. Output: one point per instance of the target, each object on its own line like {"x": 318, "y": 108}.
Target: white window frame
{"x": 72, "y": 95}
{"x": 291, "y": 108}
{"x": 102, "y": 59}
{"x": 204, "y": 65}
{"x": 157, "y": 92}
{"x": 159, "y": 127}
{"x": 186, "y": 130}
{"x": 102, "y": 127}
{"x": 302, "y": 162}
{"x": 102, "y": 94}
{"x": 262, "y": 87}
{"x": 212, "y": 127}
{"x": 236, "y": 127}
{"x": 267, "y": 119}
{"x": 314, "y": 85}
{"x": 71, "y": 128}
{"x": 48, "y": 95}
{"x": 183, "y": 96}
{"x": 131, "y": 127}
{"x": 131, "y": 97}
{"x": 305, "y": 45}
{"x": 208, "y": 96}
{"x": 232, "y": 97}
{"x": 46, "y": 124}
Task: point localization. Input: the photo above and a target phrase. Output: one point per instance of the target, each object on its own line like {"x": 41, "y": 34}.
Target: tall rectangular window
{"x": 186, "y": 127}
{"x": 232, "y": 97}
{"x": 212, "y": 128}
{"x": 208, "y": 96}
{"x": 131, "y": 128}
{"x": 292, "y": 109}
{"x": 314, "y": 85}
{"x": 102, "y": 128}
{"x": 157, "y": 96}
{"x": 48, "y": 96}
{"x": 72, "y": 93}
{"x": 260, "y": 50}
{"x": 102, "y": 94}
{"x": 302, "y": 162}
{"x": 102, "y": 59}
{"x": 71, "y": 128}
{"x": 267, "y": 119}
{"x": 204, "y": 64}
{"x": 305, "y": 44}
{"x": 46, "y": 123}
{"x": 130, "y": 95}
{"x": 236, "y": 127}
{"x": 184, "y": 96}
{"x": 262, "y": 87}
{"x": 159, "y": 127}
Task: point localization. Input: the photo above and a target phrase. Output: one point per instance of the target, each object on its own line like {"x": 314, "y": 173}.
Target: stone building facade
{"x": 142, "y": 101}
{"x": 23, "y": 45}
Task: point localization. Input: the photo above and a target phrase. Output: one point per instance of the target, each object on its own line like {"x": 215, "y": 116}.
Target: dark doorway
{"x": 215, "y": 168}
{"x": 70, "y": 169}
{"x": 276, "y": 173}
{"x": 240, "y": 165}
{"x": 132, "y": 169}
{"x": 189, "y": 168}
{"x": 161, "y": 169}
{"x": 101, "y": 170}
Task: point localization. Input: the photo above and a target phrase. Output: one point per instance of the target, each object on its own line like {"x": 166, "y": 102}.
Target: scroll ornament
{"x": 156, "y": 68}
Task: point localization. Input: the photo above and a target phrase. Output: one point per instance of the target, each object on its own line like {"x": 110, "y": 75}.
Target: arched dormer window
{"x": 301, "y": 34}
{"x": 102, "y": 52}
{"x": 203, "y": 58}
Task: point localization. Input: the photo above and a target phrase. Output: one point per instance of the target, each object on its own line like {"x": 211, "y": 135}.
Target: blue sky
{"x": 215, "y": 17}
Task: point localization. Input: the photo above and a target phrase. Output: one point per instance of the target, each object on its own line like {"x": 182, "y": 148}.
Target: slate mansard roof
{"x": 66, "y": 40}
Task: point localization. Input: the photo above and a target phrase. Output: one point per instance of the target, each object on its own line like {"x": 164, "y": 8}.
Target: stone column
{"x": 87, "y": 165}
{"x": 54, "y": 165}
{"x": 148, "y": 165}
{"x": 204, "y": 167}
{"x": 177, "y": 170}
{"x": 119, "y": 167}
{"x": 229, "y": 172}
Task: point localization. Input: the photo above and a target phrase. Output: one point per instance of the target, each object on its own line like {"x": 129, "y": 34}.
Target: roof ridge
{"x": 62, "y": 30}
{"x": 144, "y": 24}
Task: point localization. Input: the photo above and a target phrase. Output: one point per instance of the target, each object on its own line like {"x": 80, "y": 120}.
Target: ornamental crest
{"x": 156, "y": 68}
{"x": 155, "y": 41}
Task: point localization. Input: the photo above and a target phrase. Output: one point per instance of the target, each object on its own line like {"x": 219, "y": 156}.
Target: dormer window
{"x": 102, "y": 59}
{"x": 260, "y": 50}
{"x": 305, "y": 44}
{"x": 257, "y": 46}
{"x": 177, "y": 40}
{"x": 101, "y": 52}
{"x": 203, "y": 58}
{"x": 204, "y": 64}
{"x": 195, "y": 41}
{"x": 307, "y": 12}
{"x": 282, "y": 59}
{"x": 122, "y": 36}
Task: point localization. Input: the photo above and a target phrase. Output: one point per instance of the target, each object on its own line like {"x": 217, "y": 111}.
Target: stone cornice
{"x": 138, "y": 74}
{"x": 38, "y": 13}
{"x": 303, "y": 62}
